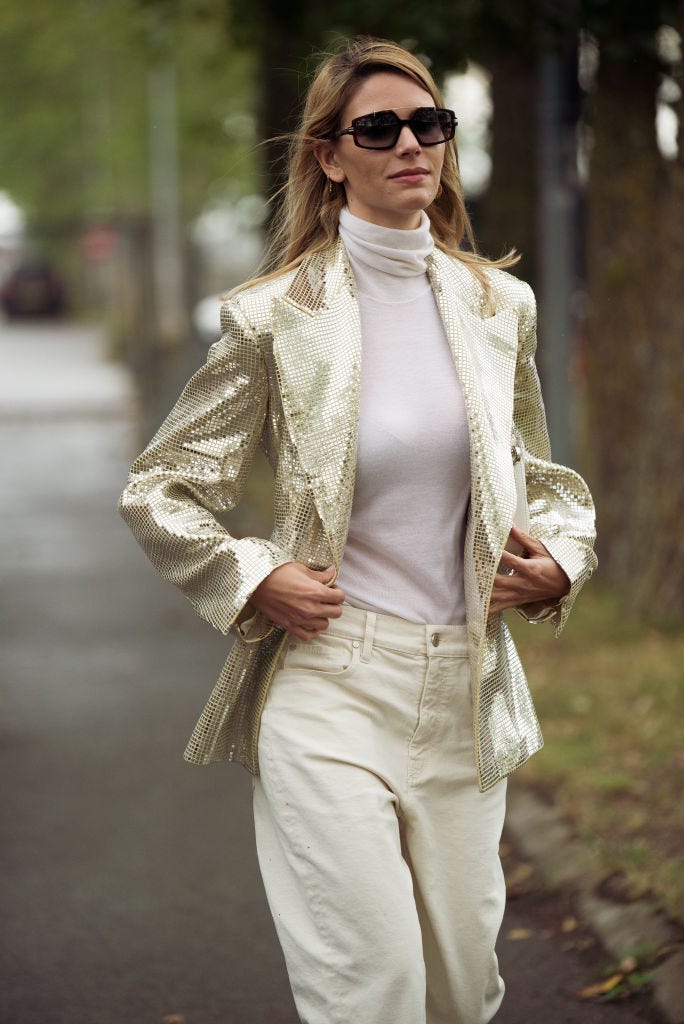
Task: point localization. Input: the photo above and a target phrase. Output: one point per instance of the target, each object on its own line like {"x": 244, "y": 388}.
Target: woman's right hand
{"x": 298, "y": 599}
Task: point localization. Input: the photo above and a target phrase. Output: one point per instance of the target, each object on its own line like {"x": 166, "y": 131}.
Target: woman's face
{"x": 389, "y": 187}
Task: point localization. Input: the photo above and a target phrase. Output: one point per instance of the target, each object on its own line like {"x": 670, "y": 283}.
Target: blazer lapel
{"x": 485, "y": 353}
{"x": 317, "y": 350}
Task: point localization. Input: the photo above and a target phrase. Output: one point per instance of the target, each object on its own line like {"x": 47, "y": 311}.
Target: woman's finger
{"x": 331, "y": 595}
{"x": 308, "y": 630}
{"x": 528, "y": 542}
{"x": 511, "y": 561}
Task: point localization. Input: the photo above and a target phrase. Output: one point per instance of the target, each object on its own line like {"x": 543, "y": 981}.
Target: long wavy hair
{"x": 307, "y": 218}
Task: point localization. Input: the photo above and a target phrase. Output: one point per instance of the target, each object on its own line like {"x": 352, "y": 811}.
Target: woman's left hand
{"x": 536, "y": 576}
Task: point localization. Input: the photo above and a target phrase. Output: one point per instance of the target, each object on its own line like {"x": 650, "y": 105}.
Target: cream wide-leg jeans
{"x": 379, "y": 854}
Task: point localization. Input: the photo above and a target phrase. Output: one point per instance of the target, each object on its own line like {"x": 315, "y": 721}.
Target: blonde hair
{"x": 307, "y": 219}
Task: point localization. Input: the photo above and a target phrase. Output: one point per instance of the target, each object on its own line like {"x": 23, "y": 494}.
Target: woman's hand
{"x": 536, "y": 576}
{"x": 297, "y": 599}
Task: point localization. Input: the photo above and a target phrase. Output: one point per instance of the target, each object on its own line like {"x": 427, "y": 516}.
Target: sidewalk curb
{"x": 540, "y": 834}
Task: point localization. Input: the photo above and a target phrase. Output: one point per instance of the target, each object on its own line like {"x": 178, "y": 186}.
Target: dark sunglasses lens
{"x": 427, "y": 128}
{"x": 432, "y": 126}
{"x": 376, "y": 131}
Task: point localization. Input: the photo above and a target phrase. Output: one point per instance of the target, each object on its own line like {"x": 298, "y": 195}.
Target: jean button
{"x": 434, "y": 639}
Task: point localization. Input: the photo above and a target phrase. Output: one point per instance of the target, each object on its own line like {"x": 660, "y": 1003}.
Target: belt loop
{"x": 368, "y": 635}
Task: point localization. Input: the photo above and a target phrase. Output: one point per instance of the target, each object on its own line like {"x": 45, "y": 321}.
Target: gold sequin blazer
{"x": 285, "y": 375}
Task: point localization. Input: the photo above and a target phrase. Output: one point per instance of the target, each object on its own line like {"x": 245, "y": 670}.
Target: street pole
{"x": 557, "y": 230}
{"x": 167, "y": 235}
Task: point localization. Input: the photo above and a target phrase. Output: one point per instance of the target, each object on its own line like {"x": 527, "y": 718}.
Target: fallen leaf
{"x": 521, "y": 872}
{"x": 640, "y": 979}
{"x": 664, "y": 951}
{"x": 600, "y": 988}
{"x": 520, "y": 879}
{"x": 630, "y": 963}
{"x": 519, "y": 933}
{"x": 569, "y": 924}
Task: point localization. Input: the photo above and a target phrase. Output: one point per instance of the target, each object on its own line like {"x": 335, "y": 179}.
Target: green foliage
{"x": 74, "y": 106}
{"x": 625, "y": 30}
{"x": 442, "y": 32}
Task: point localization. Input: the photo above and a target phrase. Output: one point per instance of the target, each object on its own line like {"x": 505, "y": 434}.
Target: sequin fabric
{"x": 286, "y": 376}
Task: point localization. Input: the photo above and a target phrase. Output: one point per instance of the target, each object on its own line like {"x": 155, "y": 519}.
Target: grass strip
{"x": 609, "y": 698}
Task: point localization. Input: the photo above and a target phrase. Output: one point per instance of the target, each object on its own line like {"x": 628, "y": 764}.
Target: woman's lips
{"x": 410, "y": 174}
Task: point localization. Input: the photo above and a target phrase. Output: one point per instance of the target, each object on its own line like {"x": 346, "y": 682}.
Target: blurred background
{"x": 136, "y": 161}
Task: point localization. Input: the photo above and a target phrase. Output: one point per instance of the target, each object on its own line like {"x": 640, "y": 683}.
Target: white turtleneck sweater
{"x": 404, "y": 550}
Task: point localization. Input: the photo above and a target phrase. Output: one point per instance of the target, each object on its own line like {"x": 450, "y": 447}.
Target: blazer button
{"x": 434, "y": 639}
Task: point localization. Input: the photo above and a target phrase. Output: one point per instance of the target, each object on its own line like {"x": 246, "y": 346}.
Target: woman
{"x": 373, "y": 691}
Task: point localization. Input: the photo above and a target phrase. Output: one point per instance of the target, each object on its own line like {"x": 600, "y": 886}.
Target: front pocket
{"x": 326, "y": 654}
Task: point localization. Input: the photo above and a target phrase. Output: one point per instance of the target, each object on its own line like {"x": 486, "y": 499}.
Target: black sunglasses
{"x": 381, "y": 130}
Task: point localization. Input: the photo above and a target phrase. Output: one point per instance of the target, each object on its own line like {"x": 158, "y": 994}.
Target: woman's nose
{"x": 407, "y": 142}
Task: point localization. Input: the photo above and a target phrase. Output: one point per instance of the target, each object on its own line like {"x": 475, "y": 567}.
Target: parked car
{"x": 33, "y": 289}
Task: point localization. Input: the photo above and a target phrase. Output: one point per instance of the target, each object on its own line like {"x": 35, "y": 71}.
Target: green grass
{"x": 609, "y": 698}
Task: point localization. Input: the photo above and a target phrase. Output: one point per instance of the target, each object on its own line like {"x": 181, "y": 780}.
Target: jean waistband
{"x": 390, "y": 631}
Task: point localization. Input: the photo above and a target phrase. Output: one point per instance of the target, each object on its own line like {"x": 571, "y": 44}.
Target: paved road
{"x": 131, "y": 889}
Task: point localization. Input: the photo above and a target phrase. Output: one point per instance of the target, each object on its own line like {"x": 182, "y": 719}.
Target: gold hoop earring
{"x": 331, "y": 189}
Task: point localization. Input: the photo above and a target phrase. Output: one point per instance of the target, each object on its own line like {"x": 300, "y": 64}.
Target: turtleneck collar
{"x": 393, "y": 251}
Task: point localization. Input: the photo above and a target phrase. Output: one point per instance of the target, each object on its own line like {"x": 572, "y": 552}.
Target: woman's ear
{"x": 327, "y": 158}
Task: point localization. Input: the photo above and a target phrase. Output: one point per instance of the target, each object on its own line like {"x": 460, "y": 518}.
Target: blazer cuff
{"x": 578, "y": 562}
{"x": 250, "y": 624}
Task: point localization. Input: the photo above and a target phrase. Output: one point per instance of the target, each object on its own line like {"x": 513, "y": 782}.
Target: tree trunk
{"x": 634, "y": 367}
{"x": 507, "y": 217}
{"x": 280, "y": 50}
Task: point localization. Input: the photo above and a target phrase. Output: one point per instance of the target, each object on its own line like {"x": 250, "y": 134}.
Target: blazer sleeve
{"x": 560, "y": 505}
{"x": 195, "y": 467}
